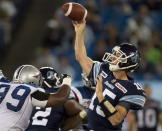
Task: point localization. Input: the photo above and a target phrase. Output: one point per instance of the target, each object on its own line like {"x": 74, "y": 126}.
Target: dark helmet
{"x": 123, "y": 57}
{"x": 50, "y": 76}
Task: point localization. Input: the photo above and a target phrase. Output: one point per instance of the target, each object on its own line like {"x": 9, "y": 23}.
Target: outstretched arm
{"x": 80, "y": 50}
{"x": 42, "y": 99}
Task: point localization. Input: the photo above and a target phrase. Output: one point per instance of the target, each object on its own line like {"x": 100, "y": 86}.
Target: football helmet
{"x": 123, "y": 57}
{"x": 50, "y": 77}
{"x": 28, "y": 74}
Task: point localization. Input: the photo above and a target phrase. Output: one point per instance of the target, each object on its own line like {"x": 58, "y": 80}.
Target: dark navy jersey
{"x": 147, "y": 119}
{"x": 83, "y": 95}
{"x": 115, "y": 91}
{"x": 51, "y": 118}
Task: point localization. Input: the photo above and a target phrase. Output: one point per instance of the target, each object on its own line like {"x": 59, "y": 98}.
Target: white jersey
{"x": 15, "y": 105}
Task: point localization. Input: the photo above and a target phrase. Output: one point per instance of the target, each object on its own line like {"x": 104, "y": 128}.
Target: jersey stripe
{"x": 137, "y": 99}
{"x": 18, "y": 72}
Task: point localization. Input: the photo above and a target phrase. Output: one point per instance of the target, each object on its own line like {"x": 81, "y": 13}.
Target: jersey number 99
{"x": 18, "y": 95}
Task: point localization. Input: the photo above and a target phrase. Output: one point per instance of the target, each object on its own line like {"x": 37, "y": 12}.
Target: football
{"x": 74, "y": 11}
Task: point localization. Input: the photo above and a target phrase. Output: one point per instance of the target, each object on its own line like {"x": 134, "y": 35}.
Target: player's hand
{"x": 99, "y": 88}
{"x": 79, "y": 26}
{"x": 64, "y": 79}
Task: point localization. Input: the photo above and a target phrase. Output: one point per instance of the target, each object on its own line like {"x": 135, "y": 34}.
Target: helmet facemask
{"x": 118, "y": 60}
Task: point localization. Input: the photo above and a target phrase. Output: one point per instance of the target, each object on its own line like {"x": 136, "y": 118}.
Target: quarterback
{"x": 116, "y": 92}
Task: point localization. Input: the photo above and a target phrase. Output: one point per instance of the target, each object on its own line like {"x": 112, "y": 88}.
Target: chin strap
{"x": 114, "y": 67}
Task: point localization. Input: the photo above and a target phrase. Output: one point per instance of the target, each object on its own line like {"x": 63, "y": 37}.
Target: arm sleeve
{"x": 39, "y": 98}
{"x": 136, "y": 101}
{"x": 94, "y": 71}
{"x": 124, "y": 104}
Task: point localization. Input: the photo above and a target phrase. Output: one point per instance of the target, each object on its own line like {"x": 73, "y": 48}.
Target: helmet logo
{"x": 50, "y": 75}
{"x": 134, "y": 57}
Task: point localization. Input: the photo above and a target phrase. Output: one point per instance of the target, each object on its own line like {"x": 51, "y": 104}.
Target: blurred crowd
{"x": 11, "y": 14}
{"x": 109, "y": 22}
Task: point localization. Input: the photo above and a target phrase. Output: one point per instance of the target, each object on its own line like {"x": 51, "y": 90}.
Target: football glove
{"x": 64, "y": 79}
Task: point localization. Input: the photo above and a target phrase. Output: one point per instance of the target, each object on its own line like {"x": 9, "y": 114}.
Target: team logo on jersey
{"x": 104, "y": 75}
{"x": 120, "y": 87}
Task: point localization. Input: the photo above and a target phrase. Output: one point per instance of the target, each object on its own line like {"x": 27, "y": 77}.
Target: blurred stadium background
{"x": 36, "y": 32}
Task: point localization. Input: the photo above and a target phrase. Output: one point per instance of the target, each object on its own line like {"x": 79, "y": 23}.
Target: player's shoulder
{"x": 105, "y": 66}
{"x": 104, "y": 69}
{"x": 33, "y": 88}
{"x": 131, "y": 87}
{"x": 134, "y": 94}
{"x": 102, "y": 65}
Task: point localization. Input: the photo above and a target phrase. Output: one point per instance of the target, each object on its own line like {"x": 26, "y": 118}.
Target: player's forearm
{"x": 118, "y": 117}
{"x": 60, "y": 97}
{"x": 81, "y": 54}
{"x": 80, "y": 50}
{"x": 64, "y": 91}
{"x": 114, "y": 114}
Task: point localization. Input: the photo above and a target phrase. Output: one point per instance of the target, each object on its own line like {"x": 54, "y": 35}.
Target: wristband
{"x": 67, "y": 81}
{"x": 83, "y": 114}
{"x": 107, "y": 108}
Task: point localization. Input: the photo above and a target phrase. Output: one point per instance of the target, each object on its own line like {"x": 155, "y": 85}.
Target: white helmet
{"x": 28, "y": 74}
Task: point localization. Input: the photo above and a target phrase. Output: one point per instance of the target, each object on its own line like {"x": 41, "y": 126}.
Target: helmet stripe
{"x": 18, "y": 72}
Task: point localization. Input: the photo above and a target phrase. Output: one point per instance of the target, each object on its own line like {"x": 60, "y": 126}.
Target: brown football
{"x": 75, "y": 11}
